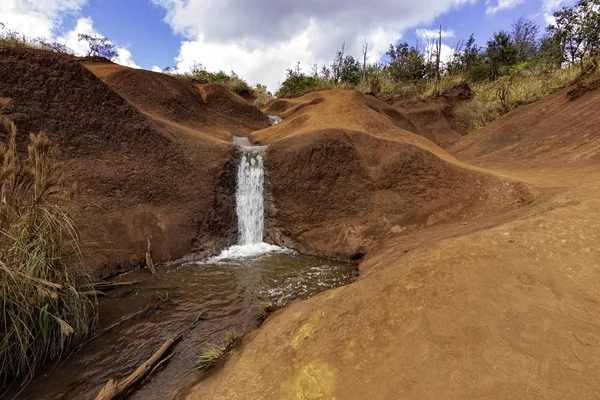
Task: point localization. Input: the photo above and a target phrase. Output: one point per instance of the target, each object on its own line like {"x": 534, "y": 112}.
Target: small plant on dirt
{"x": 212, "y": 353}
{"x": 46, "y": 301}
{"x": 267, "y": 308}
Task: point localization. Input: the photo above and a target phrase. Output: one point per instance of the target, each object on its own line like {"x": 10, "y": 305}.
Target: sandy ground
{"x": 501, "y": 307}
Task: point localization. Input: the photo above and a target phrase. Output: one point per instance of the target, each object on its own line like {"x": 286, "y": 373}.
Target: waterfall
{"x": 249, "y": 195}
{"x": 249, "y": 198}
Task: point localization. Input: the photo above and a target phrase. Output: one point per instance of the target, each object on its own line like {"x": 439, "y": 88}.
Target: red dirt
{"x": 343, "y": 174}
{"x": 151, "y": 157}
{"x": 539, "y": 134}
{"x": 505, "y": 306}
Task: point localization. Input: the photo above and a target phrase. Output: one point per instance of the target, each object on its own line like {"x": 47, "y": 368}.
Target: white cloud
{"x": 548, "y": 8}
{"x": 502, "y": 5}
{"x": 433, "y": 34}
{"x": 156, "y": 68}
{"x": 85, "y": 26}
{"x": 124, "y": 58}
{"x": 43, "y": 18}
{"x": 37, "y": 18}
{"x": 260, "y": 39}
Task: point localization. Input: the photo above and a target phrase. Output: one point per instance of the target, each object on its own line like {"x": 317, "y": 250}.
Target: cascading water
{"x": 249, "y": 195}
{"x": 249, "y": 198}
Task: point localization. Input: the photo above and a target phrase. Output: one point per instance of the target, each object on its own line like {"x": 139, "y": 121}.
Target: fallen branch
{"x": 149, "y": 262}
{"x": 103, "y": 285}
{"x": 113, "y": 390}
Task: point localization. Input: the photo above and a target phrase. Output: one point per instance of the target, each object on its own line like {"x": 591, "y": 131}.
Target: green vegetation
{"x": 45, "y": 300}
{"x": 267, "y": 308}
{"x": 516, "y": 67}
{"x": 212, "y": 353}
{"x": 257, "y": 94}
{"x": 12, "y": 39}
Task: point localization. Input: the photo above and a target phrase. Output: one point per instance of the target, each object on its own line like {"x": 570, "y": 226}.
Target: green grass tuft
{"x": 212, "y": 353}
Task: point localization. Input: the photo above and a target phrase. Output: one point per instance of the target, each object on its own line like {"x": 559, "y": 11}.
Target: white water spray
{"x": 249, "y": 198}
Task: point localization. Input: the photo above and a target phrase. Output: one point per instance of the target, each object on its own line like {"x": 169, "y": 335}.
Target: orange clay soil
{"x": 498, "y": 303}
{"x": 342, "y": 174}
{"x": 151, "y": 153}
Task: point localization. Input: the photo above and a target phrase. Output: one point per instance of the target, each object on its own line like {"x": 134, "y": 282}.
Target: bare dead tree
{"x": 436, "y": 87}
{"x": 365, "y": 50}
{"x": 338, "y": 64}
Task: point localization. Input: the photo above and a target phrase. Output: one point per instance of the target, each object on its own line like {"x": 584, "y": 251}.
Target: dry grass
{"x": 261, "y": 100}
{"x": 493, "y": 99}
{"x": 44, "y": 303}
{"x": 10, "y": 39}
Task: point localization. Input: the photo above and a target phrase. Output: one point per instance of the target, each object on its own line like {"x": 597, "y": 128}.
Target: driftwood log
{"x": 113, "y": 390}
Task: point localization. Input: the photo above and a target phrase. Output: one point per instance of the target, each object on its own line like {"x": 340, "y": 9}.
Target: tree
{"x": 406, "y": 63}
{"x": 99, "y": 46}
{"x": 577, "y": 29}
{"x": 350, "y": 70}
{"x": 364, "y": 66}
{"x": 466, "y": 56}
{"x": 551, "y": 52}
{"x": 338, "y": 61}
{"x": 438, "y": 49}
{"x": 524, "y": 34}
{"x": 501, "y": 53}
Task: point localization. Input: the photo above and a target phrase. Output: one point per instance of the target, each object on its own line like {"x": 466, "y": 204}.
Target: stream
{"x": 202, "y": 300}
{"x": 226, "y": 294}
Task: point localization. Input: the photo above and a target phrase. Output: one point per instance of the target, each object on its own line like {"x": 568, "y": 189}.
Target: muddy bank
{"x": 161, "y": 167}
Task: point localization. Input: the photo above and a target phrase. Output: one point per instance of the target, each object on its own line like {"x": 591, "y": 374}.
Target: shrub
{"x": 45, "y": 298}
{"x": 199, "y": 73}
{"x": 263, "y": 96}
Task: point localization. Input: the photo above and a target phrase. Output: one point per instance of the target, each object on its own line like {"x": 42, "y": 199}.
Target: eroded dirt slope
{"x": 343, "y": 174}
{"x": 559, "y": 129}
{"x": 508, "y": 311}
{"x": 169, "y": 176}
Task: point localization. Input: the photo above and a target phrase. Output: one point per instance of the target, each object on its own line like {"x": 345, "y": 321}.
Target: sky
{"x": 259, "y": 39}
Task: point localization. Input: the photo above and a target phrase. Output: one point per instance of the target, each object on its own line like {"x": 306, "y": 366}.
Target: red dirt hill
{"x": 343, "y": 174}
{"x": 539, "y": 134}
{"x": 158, "y": 167}
{"x": 507, "y": 308}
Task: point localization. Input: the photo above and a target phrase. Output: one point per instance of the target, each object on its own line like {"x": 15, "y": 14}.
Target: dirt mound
{"x": 227, "y": 103}
{"x": 431, "y": 119}
{"x": 342, "y": 175}
{"x": 501, "y": 307}
{"x": 538, "y": 135}
{"x": 138, "y": 177}
{"x": 179, "y": 100}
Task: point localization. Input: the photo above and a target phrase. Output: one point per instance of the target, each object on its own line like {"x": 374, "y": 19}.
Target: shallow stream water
{"x": 226, "y": 294}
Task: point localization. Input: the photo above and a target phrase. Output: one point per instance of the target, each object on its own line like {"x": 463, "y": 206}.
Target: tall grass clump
{"x": 212, "y": 353}
{"x": 46, "y": 303}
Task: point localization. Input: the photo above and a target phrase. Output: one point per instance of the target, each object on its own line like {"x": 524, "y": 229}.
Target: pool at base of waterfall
{"x": 203, "y": 299}
{"x": 248, "y": 250}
